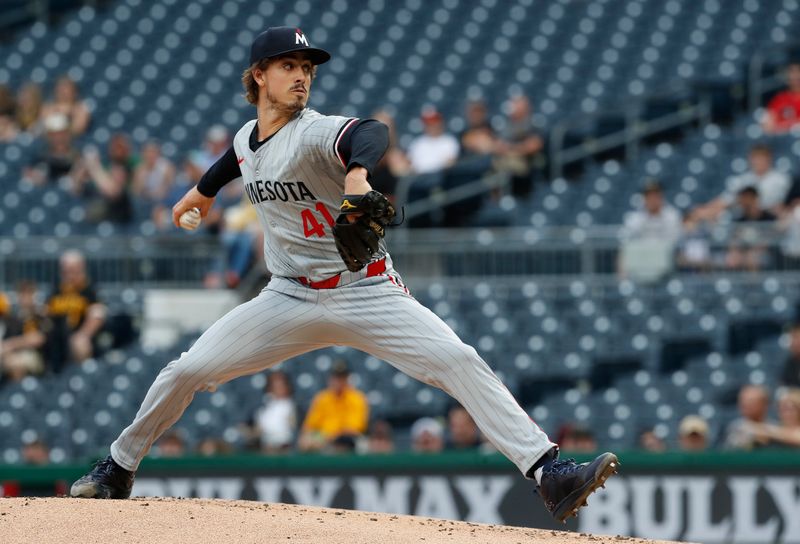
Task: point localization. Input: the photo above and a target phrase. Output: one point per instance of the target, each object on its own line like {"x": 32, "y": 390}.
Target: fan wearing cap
{"x": 299, "y": 167}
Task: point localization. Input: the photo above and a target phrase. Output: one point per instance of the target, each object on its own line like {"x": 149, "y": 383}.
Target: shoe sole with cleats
{"x": 570, "y": 505}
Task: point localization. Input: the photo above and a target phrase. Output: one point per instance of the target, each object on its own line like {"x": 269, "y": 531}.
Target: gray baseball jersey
{"x": 295, "y": 181}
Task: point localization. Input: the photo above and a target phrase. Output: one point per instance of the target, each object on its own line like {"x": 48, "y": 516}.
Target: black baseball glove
{"x": 358, "y": 241}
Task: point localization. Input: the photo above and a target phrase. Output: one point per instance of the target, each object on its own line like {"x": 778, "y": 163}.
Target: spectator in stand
{"x": 753, "y": 409}
{"x": 29, "y": 108}
{"x": 8, "y": 107}
{"x": 656, "y": 220}
{"x": 577, "y": 438}
{"x": 57, "y": 159}
{"x": 341, "y": 410}
{"x": 745, "y": 251}
{"x": 110, "y": 193}
{"x": 693, "y": 434}
{"x": 427, "y": 435}
{"x": 154, "y": 175}
{"x": 394, "y": 163}
{"x": 787, "y": 433}
{"x": 649, "y": 441}
{"x": 434, "y": 150}
{"x": 790, "y": 377}
{"x": 36, "y": 453}
{"x": 23, "y": 344}
{"x": 67, "y": 102}
{"x": 519, "y": 145}
{"x": 783, "y": 111}
{"x": 462, "y": 433}
{"x": 479, "y": 138}
{"x": 650, "y": 235}
{"x": 772, "y": 186}
{"x": 171, "y": 444}
{"x": 76, "y": 313}
{"x": 187, "y": 178}
{"x": 379, "y": 438}
{"x": 276, "y": 421}
{"x": 215, "y": 145}
{"x": 210, "y": 447}
{"x": 694, "y": 251}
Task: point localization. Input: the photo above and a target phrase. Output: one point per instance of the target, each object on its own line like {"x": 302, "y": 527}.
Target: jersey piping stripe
{"x": 339, "y": 139}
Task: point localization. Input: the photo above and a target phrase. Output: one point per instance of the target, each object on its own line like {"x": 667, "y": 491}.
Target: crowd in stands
{"x": 46, "y": 335}
{"x": 656, "y": 238}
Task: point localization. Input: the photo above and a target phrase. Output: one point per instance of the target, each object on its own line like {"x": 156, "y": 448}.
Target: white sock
{"x": 538, "y": 475}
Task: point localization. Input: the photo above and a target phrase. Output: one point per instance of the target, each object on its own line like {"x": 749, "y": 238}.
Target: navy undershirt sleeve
{"x": 363, "y": 144}
{"x": 226, "y": 169}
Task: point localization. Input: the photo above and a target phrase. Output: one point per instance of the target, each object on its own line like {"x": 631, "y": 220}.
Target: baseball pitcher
{"x": 333, "y": 283}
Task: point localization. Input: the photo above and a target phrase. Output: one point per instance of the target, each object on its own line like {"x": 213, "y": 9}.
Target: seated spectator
{"x": 8, "y": 107}
{"x": 154, "y": 175}
{"x": 434, "y": 150}
{"x": 211, "y": 447}
{"x": 772, "y": 186}
{"x": 26, "y": 329}
{"x": 341, "y": 409}
{"x": 693, "y": 434}
{"x": 35, "y": 453}
{"x": 379, "y": 437}
{"x": 185, "y": 179}
{"x": 783, "y": 111}
{"x": 427, "y": 435}
{"x": 787, "y": 433}
{"x": 753, "y": 410}
{"x": 746, "y": 252}
{"x": 694, "y": 248}
{"x": 29, "y": 108}
{"x": 57, "y": 158}
{"x": 108, "y": 187}
{"x": 171, "y": 444}
{"x": 66, "y": 101}
{"x": 519, "y": 145}
{"x": 462, "y": 433}
{"x": 577, "y": 438}
{"x": 75, "y": 311}
{"x": 276, "y": 420}
{"x": 478, "y": 138}
{"x": 394, "y": 163}
{"x": 790, "y": 377}
{"x": 649, "y": 441}
{"x": 649, "y": 236}
{"x": 216, "y": 143}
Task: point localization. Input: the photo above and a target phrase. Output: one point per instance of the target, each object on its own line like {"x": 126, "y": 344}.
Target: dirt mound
{"x": 158, "y": 520}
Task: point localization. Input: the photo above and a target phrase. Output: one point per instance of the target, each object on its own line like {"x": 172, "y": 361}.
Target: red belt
{"x": 373, "y": 269}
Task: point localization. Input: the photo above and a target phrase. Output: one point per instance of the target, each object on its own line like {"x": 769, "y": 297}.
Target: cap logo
{"x": 299, "y": 38}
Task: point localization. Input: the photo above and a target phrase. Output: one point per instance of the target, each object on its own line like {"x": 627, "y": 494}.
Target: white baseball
{"x": 190, "y": 220}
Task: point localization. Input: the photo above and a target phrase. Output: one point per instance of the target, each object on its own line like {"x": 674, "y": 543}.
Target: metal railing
{"x": 518, "y": 252}
{"x": 594, "y": 252}
{"x": 125, "y": 260}
{"x": 757, "y": 84}
{"x": 628, "y": 138}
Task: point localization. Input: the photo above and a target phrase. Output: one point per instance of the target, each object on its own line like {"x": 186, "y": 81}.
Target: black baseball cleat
{"x": 107, "y": 480}
{"x": 565, "y": 485}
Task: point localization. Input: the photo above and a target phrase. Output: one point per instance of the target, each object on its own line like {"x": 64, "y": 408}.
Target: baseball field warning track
{"x": 157, "y": 520}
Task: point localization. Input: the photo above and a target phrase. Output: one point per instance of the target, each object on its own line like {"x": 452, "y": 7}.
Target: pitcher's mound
{"x": 174, "y": 521}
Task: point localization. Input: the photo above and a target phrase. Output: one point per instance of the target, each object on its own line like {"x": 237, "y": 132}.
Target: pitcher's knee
{"x": 186, "y": 370}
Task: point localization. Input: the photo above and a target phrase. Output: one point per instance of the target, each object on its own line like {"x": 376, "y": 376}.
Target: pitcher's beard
{"x": 286, "y": 108}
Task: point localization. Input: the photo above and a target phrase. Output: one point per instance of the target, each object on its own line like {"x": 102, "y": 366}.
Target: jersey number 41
{"x": 312, "y": 227}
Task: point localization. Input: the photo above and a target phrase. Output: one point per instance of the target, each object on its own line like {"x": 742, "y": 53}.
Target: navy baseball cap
{"x": 278, "y": 40}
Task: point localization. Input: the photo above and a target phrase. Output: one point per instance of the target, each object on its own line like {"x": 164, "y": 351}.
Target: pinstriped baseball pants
{"x": 375, "y": 315}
